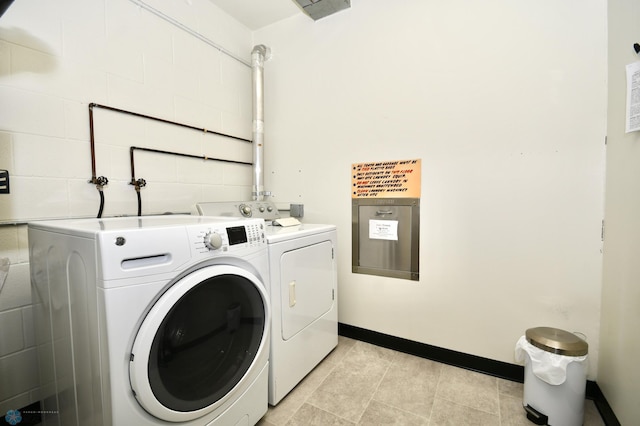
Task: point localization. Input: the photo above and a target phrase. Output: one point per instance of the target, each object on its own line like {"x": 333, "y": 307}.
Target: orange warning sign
{"x": 386, "y": 179}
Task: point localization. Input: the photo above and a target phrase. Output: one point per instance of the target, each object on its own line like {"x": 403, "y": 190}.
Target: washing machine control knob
{"x": 213, "y": 241}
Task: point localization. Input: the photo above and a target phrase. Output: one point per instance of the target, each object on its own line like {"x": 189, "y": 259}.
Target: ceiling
{"x": 256, "y": 14}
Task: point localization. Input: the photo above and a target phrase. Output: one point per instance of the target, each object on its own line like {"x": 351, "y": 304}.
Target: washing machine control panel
{"x": 229, "y": 237}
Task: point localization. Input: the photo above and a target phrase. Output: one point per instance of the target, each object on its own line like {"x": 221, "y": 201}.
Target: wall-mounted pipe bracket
{"x": 260, "y": 195}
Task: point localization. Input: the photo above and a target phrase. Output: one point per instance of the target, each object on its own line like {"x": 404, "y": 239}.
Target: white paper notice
{"x": 633, "y": 97}
{"x": 383, "y": 230}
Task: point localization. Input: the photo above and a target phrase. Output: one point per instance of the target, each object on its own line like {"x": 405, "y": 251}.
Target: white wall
{"x": 505, "y": 103}
{"x": 56, "y": 57}
{"x": 618, "y": 372}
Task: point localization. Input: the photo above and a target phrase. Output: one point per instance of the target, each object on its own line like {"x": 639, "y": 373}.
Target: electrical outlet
{"x": 296, "y": 210}
{"x": 4, "y": 181}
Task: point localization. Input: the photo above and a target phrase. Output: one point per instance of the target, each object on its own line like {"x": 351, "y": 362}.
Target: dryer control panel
{"x": 266, "y": 210}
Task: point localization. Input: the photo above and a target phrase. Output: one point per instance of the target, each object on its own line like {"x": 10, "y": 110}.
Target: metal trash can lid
{"x": 557, "y": 341}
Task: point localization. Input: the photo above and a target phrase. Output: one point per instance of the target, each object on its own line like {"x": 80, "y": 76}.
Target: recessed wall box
{"x": 386, "y": 237}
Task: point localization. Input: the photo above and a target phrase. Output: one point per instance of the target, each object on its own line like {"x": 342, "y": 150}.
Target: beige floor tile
{"x": 309, "y": 415}
{"x": 507, "y": 387}
{"x": 413, "y": 363}
{"x": 349, "y": 406}
{"x": 410, "y": 384}
{"x": 379, "y": 414}
{"x": 362, "y": 353}
{"x": 447, "y": 413}
{"x": 287, "y": 407}
{"x": 469, "y": 388}
{"x": 511, "y": 411}
{"x": 281, "y": 413}
{"x": 264, "y": 422}
{"x": 369, "y": 385}
{"x": 344, "y": 346}
{"x": 349, "y": 387}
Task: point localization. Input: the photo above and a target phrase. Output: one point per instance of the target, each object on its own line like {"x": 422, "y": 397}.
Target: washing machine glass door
{"x": 198, "y": 342}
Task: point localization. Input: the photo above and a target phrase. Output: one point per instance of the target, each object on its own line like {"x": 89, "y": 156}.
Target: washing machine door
{"x": 197, "y": 347}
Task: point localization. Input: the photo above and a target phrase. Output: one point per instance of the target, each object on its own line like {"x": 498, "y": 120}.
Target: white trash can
{"x": 555, "y": 376}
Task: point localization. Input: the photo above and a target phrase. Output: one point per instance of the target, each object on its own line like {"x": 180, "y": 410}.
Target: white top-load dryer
{"x": 303, "y": 292}
{"x": 151, "y": 320}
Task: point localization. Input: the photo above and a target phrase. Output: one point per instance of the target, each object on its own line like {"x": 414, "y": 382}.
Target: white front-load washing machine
{"x": 151, "y": 320}
{"x": 303, "y": 290}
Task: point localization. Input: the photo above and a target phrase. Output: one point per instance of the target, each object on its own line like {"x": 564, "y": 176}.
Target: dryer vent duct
{"x": 258, "y": 56}
{"x": 318, "y": 9}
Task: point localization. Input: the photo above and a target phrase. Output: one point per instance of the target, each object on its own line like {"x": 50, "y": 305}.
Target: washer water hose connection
{"x": 100, "y": 182}
{"x": 137, "y": 184}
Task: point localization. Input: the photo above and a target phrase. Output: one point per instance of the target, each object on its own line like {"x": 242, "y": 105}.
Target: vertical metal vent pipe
{"x": 258, "y": 55}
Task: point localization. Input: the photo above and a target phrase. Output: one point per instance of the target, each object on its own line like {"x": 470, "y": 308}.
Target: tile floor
{"x": 359, "y": 383}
